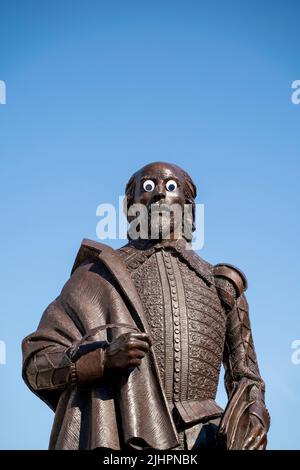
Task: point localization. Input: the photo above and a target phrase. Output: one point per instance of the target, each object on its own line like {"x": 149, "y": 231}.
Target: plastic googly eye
{"x": 148, "y": 185}
{"x": 171, "y": 185}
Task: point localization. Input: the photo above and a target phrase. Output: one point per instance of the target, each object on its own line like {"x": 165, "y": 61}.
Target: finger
{"x": 260, "y": 440}
{"x": 137, "y": 344}
{"x": 264, "y": 443}
{"x": 135, "y": 353}
{"x": 253, "y": 434}
{"x": 135, "y": 362}
{"x": 141, "y": 336}
{"x": 250, "y": 440}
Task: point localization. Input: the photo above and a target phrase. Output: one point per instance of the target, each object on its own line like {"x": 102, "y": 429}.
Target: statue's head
{"x": 163, "y": 189}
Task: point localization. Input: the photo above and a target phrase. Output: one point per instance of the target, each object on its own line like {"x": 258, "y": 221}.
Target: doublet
{"x": 184, "y": 312}
{"x": 197, "y": 321}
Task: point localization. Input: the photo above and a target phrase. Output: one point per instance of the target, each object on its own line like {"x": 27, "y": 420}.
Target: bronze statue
{"x": 129, "y": 354}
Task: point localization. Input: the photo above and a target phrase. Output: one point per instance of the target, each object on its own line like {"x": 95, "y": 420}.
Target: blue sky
{"x": 95, "y": 90}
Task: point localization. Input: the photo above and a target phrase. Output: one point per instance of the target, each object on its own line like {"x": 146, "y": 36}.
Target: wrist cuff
{"x": 89, "y": 367}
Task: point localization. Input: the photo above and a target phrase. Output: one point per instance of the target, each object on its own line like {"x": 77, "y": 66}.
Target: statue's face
{"x": 158, "y": 187}
{"x": 159, "y": 182}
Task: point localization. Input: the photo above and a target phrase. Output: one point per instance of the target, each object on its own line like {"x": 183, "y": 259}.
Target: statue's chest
{"x": 185, "y": 315}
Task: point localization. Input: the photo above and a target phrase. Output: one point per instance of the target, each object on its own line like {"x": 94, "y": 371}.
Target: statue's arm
{"x": 49, "y": 362}
{"x": 52, "y": 360}
{"x": 240, "y": 359}
{"x": 54, "y": 369}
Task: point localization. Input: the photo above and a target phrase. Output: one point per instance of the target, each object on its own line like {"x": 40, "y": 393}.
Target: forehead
{"x": 159, "y": 172}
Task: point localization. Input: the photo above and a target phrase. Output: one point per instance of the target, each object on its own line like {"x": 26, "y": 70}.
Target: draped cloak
{"x": 97, "y": 304}
{"x": 123, "y": 410}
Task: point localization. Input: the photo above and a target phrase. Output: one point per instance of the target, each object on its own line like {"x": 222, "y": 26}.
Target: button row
{"x": 175, "y": 310}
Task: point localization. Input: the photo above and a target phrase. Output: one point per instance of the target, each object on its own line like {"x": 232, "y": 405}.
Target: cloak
{"x": 121, "y": 409}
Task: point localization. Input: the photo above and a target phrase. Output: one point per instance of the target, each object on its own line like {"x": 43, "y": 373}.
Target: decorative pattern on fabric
{"x": 136, "y": 252}
{"x": 227, "y": 291}
{"x": 240, "y": 350}
{"x": 148, "y": 285}
{"x": 207, "y": 328}
{"x": 201, "y": 321}
{"x": 166, "y": 276}
{"x": 49, "y": 369}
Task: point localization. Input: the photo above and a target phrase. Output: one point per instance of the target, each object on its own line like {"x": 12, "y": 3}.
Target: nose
{"x": 159, "y": 193}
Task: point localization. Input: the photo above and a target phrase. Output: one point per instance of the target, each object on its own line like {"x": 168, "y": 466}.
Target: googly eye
{"x": 148, "y": 185}
{"x": 171, "y": 185}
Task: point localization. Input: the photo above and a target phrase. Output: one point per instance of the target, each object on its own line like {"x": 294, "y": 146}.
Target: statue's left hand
{"x": 256, "y": 438}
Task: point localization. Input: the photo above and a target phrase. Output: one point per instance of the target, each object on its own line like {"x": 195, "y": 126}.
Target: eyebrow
{"x": 157, "y": 176}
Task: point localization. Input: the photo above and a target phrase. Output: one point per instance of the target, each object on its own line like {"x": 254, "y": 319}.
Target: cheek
{"x": 142, "y": 198}
{"x": 176, "y": 197}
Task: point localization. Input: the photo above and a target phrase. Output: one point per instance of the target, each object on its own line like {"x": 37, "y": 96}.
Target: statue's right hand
{"x": 126, "y": 351}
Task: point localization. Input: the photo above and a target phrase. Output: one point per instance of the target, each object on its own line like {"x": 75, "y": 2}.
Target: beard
{"x": 160, "y": 226}
{"x": 162, "y": 222}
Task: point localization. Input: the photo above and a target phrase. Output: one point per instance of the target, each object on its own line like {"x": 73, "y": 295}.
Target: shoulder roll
{"x": 233, "y": 274}
{"x": 230, "y": 282}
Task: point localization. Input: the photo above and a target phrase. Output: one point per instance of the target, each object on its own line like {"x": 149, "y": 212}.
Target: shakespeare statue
{"x": 128, "y": 356}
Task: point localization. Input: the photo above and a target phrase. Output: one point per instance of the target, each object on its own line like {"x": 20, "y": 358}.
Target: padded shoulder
{"x": 89, "y": 249}
{"x": 230, "y": 282}
{"x": 233, "y": 274}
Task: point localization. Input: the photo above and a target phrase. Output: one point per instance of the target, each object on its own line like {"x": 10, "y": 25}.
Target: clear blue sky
{"x": 96, "y": 89}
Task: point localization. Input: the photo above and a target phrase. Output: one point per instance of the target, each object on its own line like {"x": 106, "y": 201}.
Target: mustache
{"x": 163, "y": 206}
{"x": 159, "y": 206}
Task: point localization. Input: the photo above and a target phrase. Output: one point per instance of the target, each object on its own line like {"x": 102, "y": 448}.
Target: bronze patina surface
{"x": 129, "y": 354}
